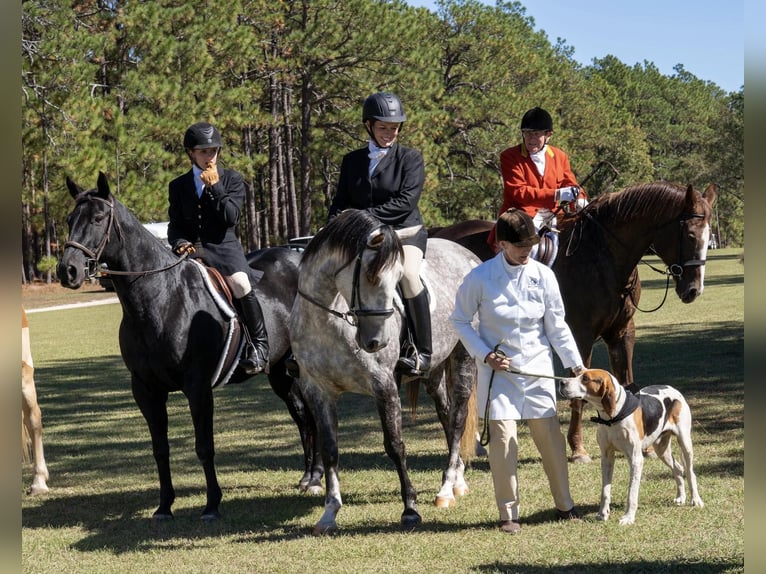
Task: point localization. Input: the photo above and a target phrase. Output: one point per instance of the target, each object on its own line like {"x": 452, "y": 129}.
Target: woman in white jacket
{"x": 520, "y": 324}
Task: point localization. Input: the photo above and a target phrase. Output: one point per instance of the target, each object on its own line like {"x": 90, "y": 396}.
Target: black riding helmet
{"x": 384, "y": 107}
{"x": 537, "y": 119}
{"x": 202, "y": 135}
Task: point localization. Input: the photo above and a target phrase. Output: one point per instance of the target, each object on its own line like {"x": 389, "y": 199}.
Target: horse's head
{"x": 683, "y": 242}
{"x": 90, "y": 225}
{"x": 365, "y": 261}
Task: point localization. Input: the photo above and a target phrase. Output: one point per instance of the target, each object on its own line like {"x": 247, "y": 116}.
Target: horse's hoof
{"x": 314, "y": 490}
{"x": 459, "y": 491}
{"x": 581, "y": 458}
{"x": 209, "y": 517}
{"x": 35, "y": 490}
{"x": 324, "y": 529}
{"x": 410, "y": 519}
{"x": 444, "y": 502}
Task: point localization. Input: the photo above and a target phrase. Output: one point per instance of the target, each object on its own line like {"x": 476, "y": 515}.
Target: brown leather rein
{"x": 94, "y": 256}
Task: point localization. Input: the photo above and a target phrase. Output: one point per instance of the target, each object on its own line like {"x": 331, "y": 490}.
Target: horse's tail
{"x": 468, "y": 440}
{"x": 26, "y": 443}
{"x": 413, "y": 391}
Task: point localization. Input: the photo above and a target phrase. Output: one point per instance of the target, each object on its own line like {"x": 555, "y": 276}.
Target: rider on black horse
{"x": 205, "y": 206}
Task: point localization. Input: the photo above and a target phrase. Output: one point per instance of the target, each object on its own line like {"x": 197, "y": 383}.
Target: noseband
{"x": 356, "y": 309}
{"x": 93, "y": 256}
{"x": 676, "y": 270}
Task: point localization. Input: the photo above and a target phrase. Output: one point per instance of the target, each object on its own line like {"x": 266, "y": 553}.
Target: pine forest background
{"x": 111, "y": 85}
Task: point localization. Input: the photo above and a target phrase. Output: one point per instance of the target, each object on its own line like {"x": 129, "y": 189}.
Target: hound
{"x": 632, "y": 423}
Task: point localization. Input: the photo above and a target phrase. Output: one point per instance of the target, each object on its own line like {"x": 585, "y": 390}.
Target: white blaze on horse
{"x": 31, "y": 417}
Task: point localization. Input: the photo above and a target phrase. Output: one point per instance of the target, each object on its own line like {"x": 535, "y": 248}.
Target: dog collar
{"x": 631, "y": 404}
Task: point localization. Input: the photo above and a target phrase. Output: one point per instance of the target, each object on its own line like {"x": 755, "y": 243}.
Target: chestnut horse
{"x": 31, "y": 417}
{"x": 599, "y": 249}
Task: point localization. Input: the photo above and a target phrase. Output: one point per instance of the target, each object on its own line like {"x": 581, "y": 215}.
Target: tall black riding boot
{"x": 418, "y": 363}
{"x": 256, "y": 355}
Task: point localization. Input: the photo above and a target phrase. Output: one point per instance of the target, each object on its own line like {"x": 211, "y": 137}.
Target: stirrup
{"x": 414, "y": 366}
{"x": 252, "y": 362}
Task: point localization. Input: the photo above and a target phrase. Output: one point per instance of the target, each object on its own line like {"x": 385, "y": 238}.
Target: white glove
{"x": 566, "y": 194}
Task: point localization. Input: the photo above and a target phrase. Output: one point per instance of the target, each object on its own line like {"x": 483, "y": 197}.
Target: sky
{"x": 706, "y": 36}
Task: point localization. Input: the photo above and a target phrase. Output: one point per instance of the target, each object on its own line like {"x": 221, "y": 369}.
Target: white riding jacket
{"x": 520, "y": 307}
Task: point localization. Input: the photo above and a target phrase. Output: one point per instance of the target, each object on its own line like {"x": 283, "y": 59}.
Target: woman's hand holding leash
{"x": 498, "y": 360}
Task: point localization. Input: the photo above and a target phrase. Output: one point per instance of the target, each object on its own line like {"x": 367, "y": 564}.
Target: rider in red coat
{"x": 537, "y": 176}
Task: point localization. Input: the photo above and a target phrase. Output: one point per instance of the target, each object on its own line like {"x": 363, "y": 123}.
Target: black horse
{"x": 174, "y": 329}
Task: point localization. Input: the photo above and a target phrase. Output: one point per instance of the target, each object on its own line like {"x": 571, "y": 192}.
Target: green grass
{"x": 104, "y": 485}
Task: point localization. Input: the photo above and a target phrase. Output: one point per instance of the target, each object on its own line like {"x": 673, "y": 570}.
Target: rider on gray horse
{"x": 385, "y": 179}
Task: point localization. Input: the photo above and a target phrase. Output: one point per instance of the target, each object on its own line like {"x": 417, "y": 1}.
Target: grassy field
{"x": 103, "y": 482}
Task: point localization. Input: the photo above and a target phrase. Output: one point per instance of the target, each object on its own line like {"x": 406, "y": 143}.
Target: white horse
{"x": 31, "y": 417}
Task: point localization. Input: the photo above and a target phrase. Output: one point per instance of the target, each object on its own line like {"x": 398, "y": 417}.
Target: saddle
{"x": 235, "y": 340}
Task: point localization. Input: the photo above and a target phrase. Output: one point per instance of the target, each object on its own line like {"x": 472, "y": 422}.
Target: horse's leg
{"x": 283, "y": 386}
{"x": 33, "y": 421}
{"x": 620, "y": 343}
{"x": 620, "y": 337}
{"x": 200, "y": 396}
{"x": 325, "y": 411}
{"x": 154, "y": 409}
{"x": 390, "y": 411}
{"x": 452, "y": 393}
{"x": 436, "y": 387}
{"x": 574, "y": 434}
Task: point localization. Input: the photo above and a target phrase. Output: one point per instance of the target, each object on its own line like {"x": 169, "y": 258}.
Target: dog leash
{"x": 484, "y": 439}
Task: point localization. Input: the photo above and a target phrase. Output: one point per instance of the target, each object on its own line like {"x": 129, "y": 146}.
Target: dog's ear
{"x": 608, "y": 396}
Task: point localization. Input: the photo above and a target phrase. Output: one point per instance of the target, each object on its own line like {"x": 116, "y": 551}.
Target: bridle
{"x": 356, "y": 309}
{"x": 92, "y": 262}
{"x": 674, "y": 270}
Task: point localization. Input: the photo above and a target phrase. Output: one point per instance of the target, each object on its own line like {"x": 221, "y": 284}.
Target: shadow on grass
{"x": 642, "y": 567}
{"x": 117, "y": 521}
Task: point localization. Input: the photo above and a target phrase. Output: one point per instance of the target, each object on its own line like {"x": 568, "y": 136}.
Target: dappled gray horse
{"x": 345, "y": 330}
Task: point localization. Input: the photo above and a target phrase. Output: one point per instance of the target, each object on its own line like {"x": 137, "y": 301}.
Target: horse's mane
{"x": 642, "y": 200}
{"x": 346, "y": 235}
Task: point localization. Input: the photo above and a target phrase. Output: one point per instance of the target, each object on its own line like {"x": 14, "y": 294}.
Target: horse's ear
{"x": 408, "y": 232}
{"x": 74, "y": 189}
{"x": 375, "y": 239}
{"x": 103, "y": 185}
{"x": 710, "y": 194}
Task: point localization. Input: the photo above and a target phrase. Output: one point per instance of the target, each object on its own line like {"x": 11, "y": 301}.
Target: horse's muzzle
{"x": 70, "y": 275}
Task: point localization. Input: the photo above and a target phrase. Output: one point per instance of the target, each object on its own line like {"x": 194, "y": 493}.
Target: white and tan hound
{"x": 631, "y": 423}
{"x": 31, "y": 417}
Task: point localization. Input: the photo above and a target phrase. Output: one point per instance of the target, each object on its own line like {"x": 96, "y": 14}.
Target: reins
{"x": 674, "y": 270}
{"x": 94, "y": 256}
